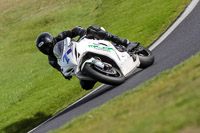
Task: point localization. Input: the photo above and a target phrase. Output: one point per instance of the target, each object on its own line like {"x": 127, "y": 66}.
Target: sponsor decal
{"x": 100, "y": 48}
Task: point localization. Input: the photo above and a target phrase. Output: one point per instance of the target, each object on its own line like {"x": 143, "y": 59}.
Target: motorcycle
{"x": 100, "y": 60}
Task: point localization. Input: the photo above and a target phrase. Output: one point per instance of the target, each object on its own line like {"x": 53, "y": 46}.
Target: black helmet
{"x": 45, "y": 43}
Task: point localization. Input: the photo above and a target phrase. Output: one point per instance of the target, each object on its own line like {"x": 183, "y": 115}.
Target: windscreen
{"x": 58, "y": 49}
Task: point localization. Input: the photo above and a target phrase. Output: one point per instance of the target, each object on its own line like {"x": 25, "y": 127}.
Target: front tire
{"x": 102, "y": 77}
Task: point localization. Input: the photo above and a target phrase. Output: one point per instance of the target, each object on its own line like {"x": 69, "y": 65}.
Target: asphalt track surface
{"x": 181, "y": 44}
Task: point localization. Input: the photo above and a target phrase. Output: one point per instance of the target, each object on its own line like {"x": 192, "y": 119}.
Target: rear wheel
{"x": 106, "y": 75}
{"x": 146, "y": 57}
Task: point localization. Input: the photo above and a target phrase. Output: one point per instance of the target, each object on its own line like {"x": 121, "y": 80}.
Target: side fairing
{"x": 101, "y": 47}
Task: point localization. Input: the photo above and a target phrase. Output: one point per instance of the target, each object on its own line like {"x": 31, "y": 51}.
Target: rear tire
{"x": 90, "y": 71}
{"x": 146, "y": 58}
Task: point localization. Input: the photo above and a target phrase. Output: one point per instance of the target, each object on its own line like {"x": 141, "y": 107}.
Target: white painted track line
{"x": 187, "y": 11}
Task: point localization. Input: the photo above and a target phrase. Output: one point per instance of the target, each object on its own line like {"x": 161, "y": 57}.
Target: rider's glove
{"x": 68, "y": 77}
{"x": 79, "y": 31}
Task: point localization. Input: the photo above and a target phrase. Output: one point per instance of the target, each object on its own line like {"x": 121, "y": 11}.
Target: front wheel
{"x": 111, "y": 76}
{"x": 146, "y": 57}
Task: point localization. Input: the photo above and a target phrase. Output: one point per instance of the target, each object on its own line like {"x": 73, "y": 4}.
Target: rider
{"x": 45, "y": 43}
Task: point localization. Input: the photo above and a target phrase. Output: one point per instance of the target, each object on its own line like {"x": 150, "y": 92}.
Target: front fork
{"x": 95, "y": 62}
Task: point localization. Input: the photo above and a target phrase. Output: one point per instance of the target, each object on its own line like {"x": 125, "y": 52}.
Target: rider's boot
{"x": 87, "y": 85}
{"x": 125, "y": 42}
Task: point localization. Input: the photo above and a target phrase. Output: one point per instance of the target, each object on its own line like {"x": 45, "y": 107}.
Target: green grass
{"x": 168, "y": 103}
{"x": 30, "y": 89}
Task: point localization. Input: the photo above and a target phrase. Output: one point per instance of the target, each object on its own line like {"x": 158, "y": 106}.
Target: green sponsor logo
{"x": 101, "y": 48}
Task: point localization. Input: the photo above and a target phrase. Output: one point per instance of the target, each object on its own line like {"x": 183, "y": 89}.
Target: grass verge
{"x": 31, "y": 91}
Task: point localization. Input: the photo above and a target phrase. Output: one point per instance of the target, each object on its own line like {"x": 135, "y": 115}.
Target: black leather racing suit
{"x": 91, "y": 32}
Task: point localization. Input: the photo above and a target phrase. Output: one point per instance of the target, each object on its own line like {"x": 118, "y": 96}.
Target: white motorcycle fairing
{"x": 72, "y": 58}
